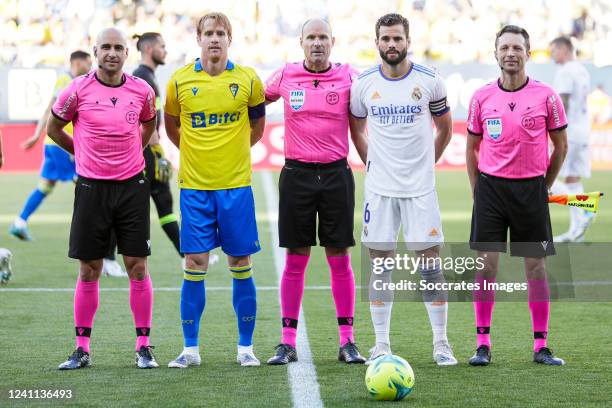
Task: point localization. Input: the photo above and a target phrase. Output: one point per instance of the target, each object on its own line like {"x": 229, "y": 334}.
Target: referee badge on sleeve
{"x": 494, "y": 127}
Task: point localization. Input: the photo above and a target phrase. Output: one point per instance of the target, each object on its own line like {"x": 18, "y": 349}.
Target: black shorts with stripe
{"x": 311, "y": 190}
{"x": 103, "y": 206}
{"x": 518, "y": 205}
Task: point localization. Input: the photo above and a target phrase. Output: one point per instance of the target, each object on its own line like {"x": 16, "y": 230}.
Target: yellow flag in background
{"x": 586, "y": 201}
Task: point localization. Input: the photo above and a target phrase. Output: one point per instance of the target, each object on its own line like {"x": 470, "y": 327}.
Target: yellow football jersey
{"x": 63, "y": 80}
{"x": 215, "y": 129}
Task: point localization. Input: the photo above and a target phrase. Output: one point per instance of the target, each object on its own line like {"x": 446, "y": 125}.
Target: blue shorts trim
{"x": 213, "y": 218}
{"x": 58, "y": 164}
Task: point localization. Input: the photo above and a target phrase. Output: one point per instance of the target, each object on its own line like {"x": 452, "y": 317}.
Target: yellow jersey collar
{"x": 198, "y": 65}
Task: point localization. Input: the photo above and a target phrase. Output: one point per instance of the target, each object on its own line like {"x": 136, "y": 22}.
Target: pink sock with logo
{"x": 343, "y": 291}
{"x": 484, "y": 301}
{"x": 539, "y": 306}
{"x": 291, "y": 292}
{"x": 141, "y": 303}
{"x": 86, "y": 299}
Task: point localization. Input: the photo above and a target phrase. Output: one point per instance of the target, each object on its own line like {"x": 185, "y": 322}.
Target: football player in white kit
{"x": 398, "y": 100}
{"x": 572, "y": 83}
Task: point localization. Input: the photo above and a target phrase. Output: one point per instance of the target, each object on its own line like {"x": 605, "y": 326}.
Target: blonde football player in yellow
{"x": 214, "y": 113}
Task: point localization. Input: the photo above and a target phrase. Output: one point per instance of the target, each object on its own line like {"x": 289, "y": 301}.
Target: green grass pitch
{"x": 36, "y": 328}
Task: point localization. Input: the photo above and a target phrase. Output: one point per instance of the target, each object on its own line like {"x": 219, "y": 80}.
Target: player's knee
{"x": 46, "y": 186}
{"x": 535, "y": 268}
{"x": 90, "y": 271}
{"x": 198, "y": 262}
{"x": 136, "y": 268}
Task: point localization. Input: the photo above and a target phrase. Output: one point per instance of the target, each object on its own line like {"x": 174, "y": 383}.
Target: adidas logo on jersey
{"x": 375, "y": 95}
{"x": 433, "y": 232}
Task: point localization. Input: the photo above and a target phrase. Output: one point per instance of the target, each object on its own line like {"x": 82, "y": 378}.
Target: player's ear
{"x": 333, "y": 41}
{"x": 528, "y": 55}
{"x": 95, "y": 51}
{"x": 407, "y": 42}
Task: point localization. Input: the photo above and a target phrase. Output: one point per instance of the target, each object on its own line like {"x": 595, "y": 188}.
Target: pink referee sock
{"x": 343, "y": 291}
{"x": 86, "y": 298}
{"x": 141, "y": 303}
{"x": 484, "y": 301}
{"x": 539, "y": 306}
{"x": 291, "y": 292}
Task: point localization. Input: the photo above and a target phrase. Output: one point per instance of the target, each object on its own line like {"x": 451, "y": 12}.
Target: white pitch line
{"x": 305, "y": 391}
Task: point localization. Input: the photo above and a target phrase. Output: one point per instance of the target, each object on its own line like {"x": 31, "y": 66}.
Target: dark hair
{"x": 76, "y": 55}
{"x": 145, "y": 38}
{"x": 514, "y": 30}
{"x": 220, "y": 18}
{"x": 563, "y": 41}
{"x": 392, "y": 19}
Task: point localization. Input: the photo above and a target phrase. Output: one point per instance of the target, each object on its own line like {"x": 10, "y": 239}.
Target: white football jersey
{"x": 401, "y": 154}
{"x": 573, "y": 79}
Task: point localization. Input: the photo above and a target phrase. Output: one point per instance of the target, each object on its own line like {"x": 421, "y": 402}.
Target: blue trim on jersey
{"x": 367, "y": 72}
{"x": 424, "y": 69}
{"x": 198, "y": 65}
{"x": 425, "y": 72}
{"x": 394, "y": 79}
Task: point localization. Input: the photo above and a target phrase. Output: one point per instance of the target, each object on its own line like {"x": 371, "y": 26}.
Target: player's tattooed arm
{"x": 358, "y": 135}
{"x": 471, "y": 158}
{"x": 55, "y": 130}
{"x": 559, "y": 140}
{"x": 444, "y": 132}
{"x": 173, "y": 129}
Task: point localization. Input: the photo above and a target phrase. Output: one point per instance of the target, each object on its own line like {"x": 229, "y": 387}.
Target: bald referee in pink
{"x": 510, "y": 123}
{"x": 114, "y": 115}
{"x": 316, "y": 181}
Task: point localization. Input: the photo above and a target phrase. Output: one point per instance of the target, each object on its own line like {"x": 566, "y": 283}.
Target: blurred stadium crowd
{"x": 43, "y": 32}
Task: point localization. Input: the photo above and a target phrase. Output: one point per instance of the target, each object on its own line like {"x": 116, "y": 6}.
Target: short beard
{"x": 401, "y": 57}
{"x": 157, "y": 61}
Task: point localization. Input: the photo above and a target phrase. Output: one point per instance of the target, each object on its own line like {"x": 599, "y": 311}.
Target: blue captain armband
{"x": 257, "y": 112}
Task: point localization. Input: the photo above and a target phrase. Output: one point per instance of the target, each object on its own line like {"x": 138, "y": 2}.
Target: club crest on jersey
{"x": 494, "y": 128}
{"x": 297, "y": 99}
{"x": 417, "y": 94}
{"x": 233, "y": 87}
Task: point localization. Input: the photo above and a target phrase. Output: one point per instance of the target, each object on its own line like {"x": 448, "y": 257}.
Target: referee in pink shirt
{"x": 316, "y": 181}
{"x": 113, "y": 114}
{"x": 510, "y": 171}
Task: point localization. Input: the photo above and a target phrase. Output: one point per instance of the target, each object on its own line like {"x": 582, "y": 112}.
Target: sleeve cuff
{"x": 148, "y": 120}
{"x": 557, "y": 129}
{"x": 358, "y": 117}
{"x": 474, "y": 133}
{"x": 58, "y": 117}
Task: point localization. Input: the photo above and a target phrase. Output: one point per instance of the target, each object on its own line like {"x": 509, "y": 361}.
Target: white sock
{"x": 437, "y": 318}
{"x": 245, "y": 349}
{"x": 20, "y": 222}
{"x": 191, "y": 350}
{"x": 381, "y": 319}
{"x": 575, "y": 213}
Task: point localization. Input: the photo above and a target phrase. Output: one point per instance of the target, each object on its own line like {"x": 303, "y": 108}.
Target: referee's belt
{"x": 307, "y": 165}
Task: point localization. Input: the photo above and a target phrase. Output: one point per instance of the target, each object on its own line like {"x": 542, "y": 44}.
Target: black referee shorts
{"x": 102, "y": 206}
{"x": 520, "y": 205}
{"x": 310, "y": 189}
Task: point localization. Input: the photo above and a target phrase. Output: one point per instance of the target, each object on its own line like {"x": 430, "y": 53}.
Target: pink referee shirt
{"x": 316, "y": 110}
{"x": 514, "y": 126}
{"x": 106, "y": 119}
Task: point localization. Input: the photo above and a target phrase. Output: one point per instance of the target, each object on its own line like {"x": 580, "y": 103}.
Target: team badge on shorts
{"x": 494, "y": 128}
{"x": 297, "y": 99}
{"x": 233, "y": 87}
{"x": 416, "y": 93}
